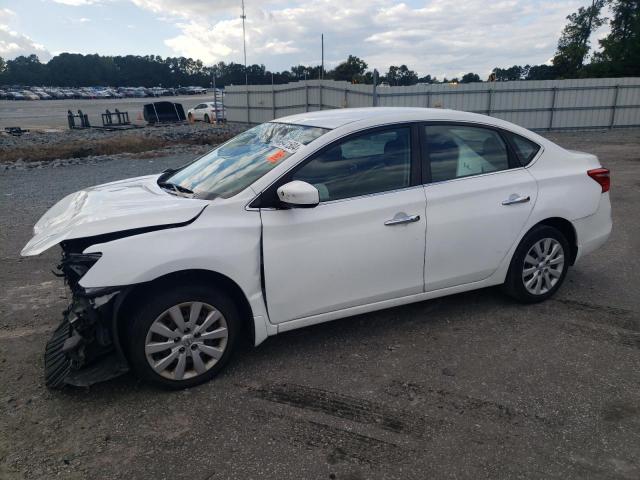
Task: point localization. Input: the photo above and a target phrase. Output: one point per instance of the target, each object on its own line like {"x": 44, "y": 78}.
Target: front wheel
{"x": 206, "y": 118}
{"x": 539, "y": 265}
{"x": 182, "y": 337}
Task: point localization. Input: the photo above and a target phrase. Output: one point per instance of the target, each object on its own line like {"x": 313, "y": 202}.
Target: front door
{"x": 362, "y": 244}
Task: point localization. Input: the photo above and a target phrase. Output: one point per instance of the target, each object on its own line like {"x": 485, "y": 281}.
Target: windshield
{"x": 238, "y": 163}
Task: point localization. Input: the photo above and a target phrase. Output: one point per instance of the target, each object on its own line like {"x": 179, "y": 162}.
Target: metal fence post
{"x": 374, "y": 100}
{"x": 428, "y": 98}
{"x": 553, "y": 107}
{"x": 346, "y": 98}
{"x": 306, "y": 96}
{"x": 248, "y": 108}
{"x": 490, "y": 101}
{"x": 273, "y": 101}
{"x": 320, "y": 94}
{"x": 613, "y": 107}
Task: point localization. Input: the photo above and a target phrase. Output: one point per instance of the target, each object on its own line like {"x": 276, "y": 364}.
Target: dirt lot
{"x": 53, "y": 113}
{"x": 467, "y": 387}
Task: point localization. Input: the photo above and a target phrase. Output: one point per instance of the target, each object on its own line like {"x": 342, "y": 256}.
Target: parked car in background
{"x": 207, "y": 112}
{"x": 307, "y": 219}
{"x": 42, "y": 95}
{"x": 192, "y": 91}
{"x": 15, "y": 95}
{"x": 29, "y": 95}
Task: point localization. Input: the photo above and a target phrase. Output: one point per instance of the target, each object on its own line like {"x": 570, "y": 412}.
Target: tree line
{"x": 619, "y": 55}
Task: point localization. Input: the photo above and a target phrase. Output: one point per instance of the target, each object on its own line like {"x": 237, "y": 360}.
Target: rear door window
{"x": 457, "y": 151}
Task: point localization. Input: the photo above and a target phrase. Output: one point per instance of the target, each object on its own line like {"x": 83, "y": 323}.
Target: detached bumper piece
{"x": 57, "y": 364}
{"x": 81, "y": 351}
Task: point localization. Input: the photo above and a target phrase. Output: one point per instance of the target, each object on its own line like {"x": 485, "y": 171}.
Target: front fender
{"x": 225, "y": 242}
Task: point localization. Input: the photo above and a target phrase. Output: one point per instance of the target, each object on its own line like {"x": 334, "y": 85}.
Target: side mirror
{"x": 299, "y": 194}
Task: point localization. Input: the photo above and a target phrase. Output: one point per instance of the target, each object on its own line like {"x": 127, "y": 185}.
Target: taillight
{"x": 601, "y": 175}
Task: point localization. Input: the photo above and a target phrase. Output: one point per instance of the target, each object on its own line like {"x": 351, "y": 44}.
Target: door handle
{"x": 401, "y": 218}
{"x": 515, "y": 198}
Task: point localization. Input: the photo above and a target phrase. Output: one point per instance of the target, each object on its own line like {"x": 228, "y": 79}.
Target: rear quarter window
{"x": 525, "y": 149}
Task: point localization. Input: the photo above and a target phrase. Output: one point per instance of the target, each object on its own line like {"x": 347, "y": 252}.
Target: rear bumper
{"x": 593, "y": 231}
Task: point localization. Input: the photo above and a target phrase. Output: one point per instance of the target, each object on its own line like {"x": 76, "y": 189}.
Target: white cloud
{"x": 76, "y": 3}
{"x": 14, "y": 44}
{"x": 437, "y": 37}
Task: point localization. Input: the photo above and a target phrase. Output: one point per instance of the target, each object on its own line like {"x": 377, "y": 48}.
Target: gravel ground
{"x": 467, "y": 387}
{"x": 38, "y": 147}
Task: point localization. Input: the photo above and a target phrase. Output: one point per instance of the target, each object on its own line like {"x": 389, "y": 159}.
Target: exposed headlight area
{"x": 73, "y": 266}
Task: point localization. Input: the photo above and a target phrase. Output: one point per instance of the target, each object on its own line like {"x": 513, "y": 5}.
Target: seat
{"x": 495, "y": 154}
{"x": 443, "y": 156}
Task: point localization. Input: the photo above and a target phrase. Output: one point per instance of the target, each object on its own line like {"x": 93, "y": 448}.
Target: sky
{"x": 445, "y": 38}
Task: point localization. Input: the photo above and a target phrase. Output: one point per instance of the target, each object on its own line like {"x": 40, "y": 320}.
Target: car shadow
{"x": 373, "y": 327}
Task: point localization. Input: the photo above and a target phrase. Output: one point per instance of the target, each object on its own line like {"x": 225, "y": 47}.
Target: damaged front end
{"x": 84, "y": 349}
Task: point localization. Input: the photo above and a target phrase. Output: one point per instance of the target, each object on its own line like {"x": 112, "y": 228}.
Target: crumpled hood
{"x": 112, "y": 207}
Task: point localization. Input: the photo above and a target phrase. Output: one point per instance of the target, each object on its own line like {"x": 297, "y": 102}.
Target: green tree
{"x": 541, "y": 72}
{"x": 620, "y": 53}
{"x": 351, "y": 70}
{"x": 26, "y": 70}
{"x": 508, "y": 74}
{"x": 470, "y": 78}
{"x": 401, "y": 76}
{"x": 573, "y": 45}
{"x": 427, "y": 79}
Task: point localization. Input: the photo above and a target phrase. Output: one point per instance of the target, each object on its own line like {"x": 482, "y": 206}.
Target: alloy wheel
{"x": 186, "y": 340}
{"x": 543, "y": 266}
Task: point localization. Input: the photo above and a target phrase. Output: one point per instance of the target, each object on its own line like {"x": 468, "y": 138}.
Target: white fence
{"x": 537, "y": 104}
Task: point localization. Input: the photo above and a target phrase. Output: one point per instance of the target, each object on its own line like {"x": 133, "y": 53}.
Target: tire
{"x": 533, "y": 277}
{"x": 190, "y": 118}
{"x": 175, "y": 359}
{"x": 206, "y": 118}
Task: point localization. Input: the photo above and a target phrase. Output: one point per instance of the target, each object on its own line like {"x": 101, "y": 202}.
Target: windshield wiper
{"x": 177, "y": 189}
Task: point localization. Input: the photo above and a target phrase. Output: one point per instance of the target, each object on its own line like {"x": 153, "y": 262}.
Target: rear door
{"x": 478, "y": 201}
{"x": 363, "y": 243}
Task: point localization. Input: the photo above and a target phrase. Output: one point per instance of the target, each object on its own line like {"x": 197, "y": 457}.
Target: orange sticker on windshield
{"x": 276, "y": 157}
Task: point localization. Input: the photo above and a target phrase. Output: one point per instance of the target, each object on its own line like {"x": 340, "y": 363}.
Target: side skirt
{"x": 395, "y": 302}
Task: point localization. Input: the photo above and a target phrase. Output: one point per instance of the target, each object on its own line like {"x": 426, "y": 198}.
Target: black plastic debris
{"x": 15, "y": 131}
{"x": 164, "y": 112}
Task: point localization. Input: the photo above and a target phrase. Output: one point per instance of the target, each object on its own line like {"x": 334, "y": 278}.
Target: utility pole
{"x": 321, "y": 69}
{"x": 322, "y": 57}
{"x": 246, "y": 75}
{"x": 244, "y": 45}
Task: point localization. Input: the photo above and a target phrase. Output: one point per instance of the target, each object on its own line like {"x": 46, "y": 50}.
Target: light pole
{"x": 246, "y": 76}
{"x": 244, "y": 45}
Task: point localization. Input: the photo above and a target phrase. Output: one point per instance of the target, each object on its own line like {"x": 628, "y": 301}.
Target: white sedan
{"x": 207, "y": 112}
{"x": 308, "y": 219}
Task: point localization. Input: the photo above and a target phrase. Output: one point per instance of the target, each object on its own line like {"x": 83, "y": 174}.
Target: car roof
{"x": 338, "y": 117}
{"x": 373, "y": 116}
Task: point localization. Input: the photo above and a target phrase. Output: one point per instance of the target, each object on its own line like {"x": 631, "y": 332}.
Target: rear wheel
{"x": 538, "y": 266}
{"x": 183, "y": 337}
{"x": 191, "y": 118}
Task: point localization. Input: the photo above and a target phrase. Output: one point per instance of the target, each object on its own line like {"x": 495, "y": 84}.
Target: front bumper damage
{"x": 84, "y": 349}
